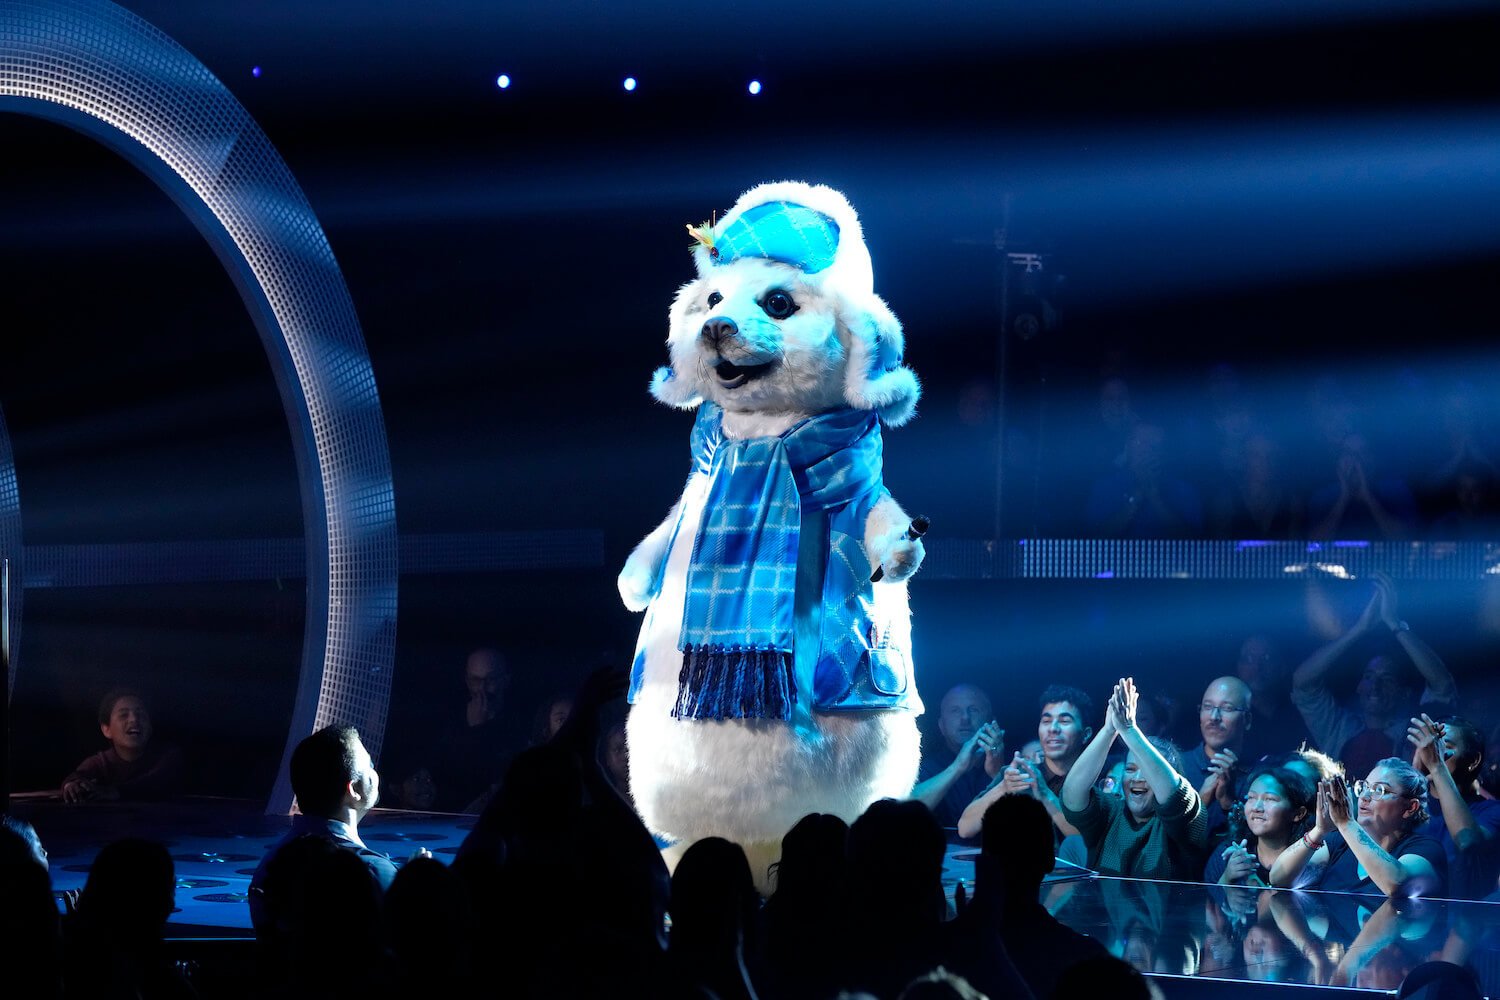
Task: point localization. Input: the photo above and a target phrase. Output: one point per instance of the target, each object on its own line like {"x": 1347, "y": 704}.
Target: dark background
{"x": 1299, "y": 193}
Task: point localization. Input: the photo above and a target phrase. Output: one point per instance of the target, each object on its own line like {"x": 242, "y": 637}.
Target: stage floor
{"x": 1173, "y": 930}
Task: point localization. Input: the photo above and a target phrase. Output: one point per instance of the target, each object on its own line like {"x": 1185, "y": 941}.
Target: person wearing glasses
{"x": 1370, "y": 842}
{"x": 1157, "y": 830}
{"x": 1216, "y": 766}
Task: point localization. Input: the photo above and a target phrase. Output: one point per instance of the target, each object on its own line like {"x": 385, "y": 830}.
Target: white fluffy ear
{"x": 668, "y": 384}
{"x": 674, "y": 391}
{"x": 876, "y": 379}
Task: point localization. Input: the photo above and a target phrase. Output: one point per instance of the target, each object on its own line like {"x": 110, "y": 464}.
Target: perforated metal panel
{"x": 11, "y": 553}
{"x": 100, "y": 69}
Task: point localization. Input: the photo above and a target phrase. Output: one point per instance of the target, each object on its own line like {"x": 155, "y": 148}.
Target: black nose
{"x": 718, "y": 329}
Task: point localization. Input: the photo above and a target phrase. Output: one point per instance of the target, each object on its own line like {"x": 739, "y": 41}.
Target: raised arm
{"x": 1155, "y": 771}
{"x": 1311, "y": 673}
{"x": 1439, "y": 680}
{"x": 637, "y": 580}
{"x": 1426, "y": 737}
{"x": 1290, "y": 863}
{"x": 1392, "y": 875}
{"x": 1086, "y": 769}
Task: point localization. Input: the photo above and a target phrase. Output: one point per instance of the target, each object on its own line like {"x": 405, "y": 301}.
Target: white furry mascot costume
{"x": 772, "y": 679}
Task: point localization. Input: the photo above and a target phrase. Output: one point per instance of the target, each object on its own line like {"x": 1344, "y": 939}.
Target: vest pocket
{"x": 888, "y": 672}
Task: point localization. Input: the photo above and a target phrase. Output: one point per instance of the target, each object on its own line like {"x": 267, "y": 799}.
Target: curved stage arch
{"x": 101, "y": 70}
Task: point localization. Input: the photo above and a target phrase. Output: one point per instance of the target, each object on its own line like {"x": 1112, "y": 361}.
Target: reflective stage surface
{"x": 1213, "y": 935}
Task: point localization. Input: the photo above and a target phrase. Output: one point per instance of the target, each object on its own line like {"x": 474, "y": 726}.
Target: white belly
{"x": 749, "y": 780}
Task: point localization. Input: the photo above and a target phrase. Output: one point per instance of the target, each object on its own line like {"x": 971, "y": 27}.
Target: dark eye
{"x": 778, "y": 304}
{"x": 714, "y": 298}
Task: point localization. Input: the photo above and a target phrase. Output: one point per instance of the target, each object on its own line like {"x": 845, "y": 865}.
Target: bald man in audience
{"x": 971, "y": 754}
{"x": 1217, "y": 766}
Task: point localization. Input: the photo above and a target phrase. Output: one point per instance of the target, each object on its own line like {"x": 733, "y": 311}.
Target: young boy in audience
{"x": 1158, "y": 830}
{"x": 133, "y": 767}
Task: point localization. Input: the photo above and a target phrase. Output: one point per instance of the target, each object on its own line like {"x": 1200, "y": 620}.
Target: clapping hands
{"x": 1427, "y": 739}
{"x": 1120, "y": 712}
{"x": 1220, "y": 781}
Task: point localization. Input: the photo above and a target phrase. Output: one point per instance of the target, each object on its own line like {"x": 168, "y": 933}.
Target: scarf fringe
{"x": 719, "y": 682}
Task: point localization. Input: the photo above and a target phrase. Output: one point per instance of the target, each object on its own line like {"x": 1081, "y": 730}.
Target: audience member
{"x": 1158, "y": 829}
{"x": 714, "y": 916}
{"x": 953, "y": 774}
{"x": 896, "y": 897}
{"x": 1017, "y": 854}
{"x": 112, "y": 943}
{"x": 133, "y": 767}
{"x": 319, "y": 925}
{"x": 336, "y": 786}
{"x": 558, "y": 846}
{"x": 1142, "y": 500}
{"x": 1385, "y": 699}
{"x": 1374, "y": 848}
{"x": 412, "y": 788}
{"x": 1254, "y": 500}
{"x": 1062, "y": 732}
{"x": 1275, "y": 724}
{"x": 1464, "y": 821}
{"x": 1277, "y": 809}
{"x": 549, "y": 718}
{"x": 614, "y": 754}
{"x": 804, "y": 918}
{"x": 1360, "y": 503}
{"x": 1217, "y": 766}
{"x": 30, "y": 933}
{"x": 429, "y": 923}
{"x": 476, "y": 753}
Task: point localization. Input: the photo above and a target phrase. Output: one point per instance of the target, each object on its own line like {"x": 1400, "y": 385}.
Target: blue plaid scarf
{"x": 737, "y": 620}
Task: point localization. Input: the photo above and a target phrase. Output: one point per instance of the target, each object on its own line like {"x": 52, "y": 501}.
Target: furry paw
{"x": 634, "y": 583}
{"x": 901, "y": 557}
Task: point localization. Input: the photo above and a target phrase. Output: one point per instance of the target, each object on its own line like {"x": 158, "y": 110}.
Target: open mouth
{"x": 732, "y": 376}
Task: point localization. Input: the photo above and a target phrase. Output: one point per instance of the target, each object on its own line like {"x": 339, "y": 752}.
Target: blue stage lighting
{"x": 754, "y": 87}
{"x": 502, "y": 81}
{"x": 630, "y": 83}
{"x": 255, "y": 72}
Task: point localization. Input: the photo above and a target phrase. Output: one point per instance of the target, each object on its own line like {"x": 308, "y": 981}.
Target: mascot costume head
{"x": 772, "y": 678}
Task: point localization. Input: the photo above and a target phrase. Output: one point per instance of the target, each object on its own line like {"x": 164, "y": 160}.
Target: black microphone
{"x": 919, "y": 526}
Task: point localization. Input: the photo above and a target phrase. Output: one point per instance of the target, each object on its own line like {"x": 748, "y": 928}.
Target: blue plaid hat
{"x": 780, "y": 231}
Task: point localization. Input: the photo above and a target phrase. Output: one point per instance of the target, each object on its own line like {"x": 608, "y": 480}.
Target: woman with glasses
{"x": 1368, "y": 842}
{"x": 1276, "y": 810}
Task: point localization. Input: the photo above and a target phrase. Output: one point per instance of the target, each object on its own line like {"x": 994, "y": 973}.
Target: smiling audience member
{"x": 1375, "y": 847}
{"x": 1276, "y": 810}
{"x": 1465, "y": 822}
{"x": 1388, "y": 695}
{"x": 1158, "y": 829}
{"x": 1062, "y": 732}
{"x": 133, "y": 767}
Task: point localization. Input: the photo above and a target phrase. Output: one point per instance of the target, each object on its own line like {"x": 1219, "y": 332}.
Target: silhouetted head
{"x": 28, "y": 836}
{"x": 332, "y": 772}
{"x": 130, "y": 890}
{"x": 1017, "y": 836}
{"x": 427, "y": 919}
{"x": 713, "y": 898}
{"x": 896, "y": 863}
{"x": 813, "y": 856}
